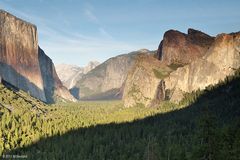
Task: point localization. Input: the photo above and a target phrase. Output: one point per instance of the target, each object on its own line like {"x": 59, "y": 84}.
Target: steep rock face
{"x": 172, "y": 80}
{"x": 70, "y": 74}
{"x": 143, "y": 80}
{"x": 22, "y": 63}
{"x": 53, "y": 87}
{"x": 180, "y": 48}
{"x": 145, "y": 84}
{"x": 19, "y": 55}
{"x": 221, "y": 60}
{"x": 106, "y": 81}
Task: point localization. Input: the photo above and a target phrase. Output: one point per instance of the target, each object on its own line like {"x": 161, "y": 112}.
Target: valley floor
{"x": 205, "y": 125}
{"x": 25, "y": 120}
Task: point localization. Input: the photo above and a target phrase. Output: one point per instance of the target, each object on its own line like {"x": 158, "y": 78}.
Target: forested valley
{"x": 204, "y": 125}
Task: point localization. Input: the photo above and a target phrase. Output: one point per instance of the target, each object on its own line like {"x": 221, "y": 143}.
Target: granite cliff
{"x": 106, "y": 81}
{"x": 220, "y": 61}
{"x": 186, "y": 62}
{"x": 180, "y": 48}
{"x": 23, "y": 64}
{"x": 143, "y": 79}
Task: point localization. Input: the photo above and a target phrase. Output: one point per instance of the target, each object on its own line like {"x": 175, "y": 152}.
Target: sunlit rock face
{"x": 19, "y": 55}
{"x": 180, "y": 48}
{"x": 141, "y": 83}
{"x": 145, "y": 84}
{"x": 187, "y": 62}
{"x": 221, "y": 60}
{"x": 21, "y": 60}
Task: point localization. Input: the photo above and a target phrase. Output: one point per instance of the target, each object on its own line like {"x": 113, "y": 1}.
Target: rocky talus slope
{"x": 23, "y": 64}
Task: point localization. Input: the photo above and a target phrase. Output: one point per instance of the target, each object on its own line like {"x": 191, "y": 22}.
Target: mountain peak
{"x": 70, "y": 74}
{"x": 194, "y": 31}
{"x": 180, "y": 48}
{"x": 7, "y": 14}
{"x": 188, "y": 62}
{"x": 91, "y": 65}
{"x": 143, "y": 50}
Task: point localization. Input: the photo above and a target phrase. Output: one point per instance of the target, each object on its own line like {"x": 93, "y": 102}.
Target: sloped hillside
{"x": 204, "y": 126}
{"x": 13, "y": 100}
{"x": 25, "y": 120}
{"x": 106, "y": 81}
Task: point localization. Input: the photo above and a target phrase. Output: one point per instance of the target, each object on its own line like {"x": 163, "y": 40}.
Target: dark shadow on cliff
{"x": 161, "y": 136}
{"x": 53, "y": 87}
{"x": 15, "y": 81}
{"x": 47, "y": 69}
{"x": 75, "y": 92}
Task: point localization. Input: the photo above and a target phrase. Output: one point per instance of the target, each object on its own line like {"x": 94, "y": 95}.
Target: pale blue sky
{"x": 78, "y": 31}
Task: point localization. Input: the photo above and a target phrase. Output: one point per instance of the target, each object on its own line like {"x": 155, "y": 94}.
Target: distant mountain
{"x": 70, "y": 74}
{"x": 91, "y": 65}
{"x": 184, "y": 63}
{"x": 106, "y": 81}
{"x": 24, "y": 65}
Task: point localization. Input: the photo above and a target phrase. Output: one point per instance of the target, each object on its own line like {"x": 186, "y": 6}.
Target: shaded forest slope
{"x": 207, "y": 129}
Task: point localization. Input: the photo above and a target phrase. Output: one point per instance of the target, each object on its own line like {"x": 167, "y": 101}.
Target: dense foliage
{"x": 205, "y": 125}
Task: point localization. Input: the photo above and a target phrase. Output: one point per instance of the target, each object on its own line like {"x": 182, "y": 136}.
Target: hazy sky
{"x": 78, "y": 31}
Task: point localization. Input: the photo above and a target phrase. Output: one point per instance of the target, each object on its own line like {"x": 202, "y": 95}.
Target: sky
{"x": 79, "y": 31}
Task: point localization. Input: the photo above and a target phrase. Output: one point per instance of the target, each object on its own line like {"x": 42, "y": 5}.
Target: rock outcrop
{"x": 106, "y": 81}
{"x": 23, "y": 64}
{"x": 71, "y": 74}
{"x": 143, "y": 80}
{"x": 187, "y": 63}
{"x": 53, "y": 87}
{"x": 221, "y": 60}
{"x": 180, "y": 48}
